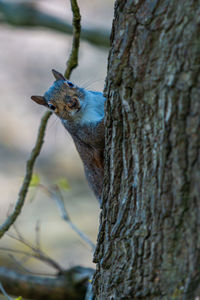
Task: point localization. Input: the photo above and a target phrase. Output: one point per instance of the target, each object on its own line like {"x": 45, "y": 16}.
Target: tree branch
{"x": 57, "y": 196}
{"x": 4, "y": 292}
{"x": 36, "y": 251}
{"x": 38, "y": 255}
{"x": 71, "y": 64}
{"x": 73, "y": 58}
{"x": 72, "y": 284}
{"x": 27, "y": 15}
{"x": 69, "y": 284}
{"x": 29, "y": 171}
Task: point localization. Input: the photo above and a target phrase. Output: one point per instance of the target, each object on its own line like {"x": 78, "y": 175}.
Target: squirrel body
{"x": 82, "y": 114}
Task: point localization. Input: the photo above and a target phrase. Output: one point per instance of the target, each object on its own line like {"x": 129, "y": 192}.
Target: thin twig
{"x": 27, "y": 178}
{"x": 24, "y": 269}
{"x": 17, "y": 232}
{"x": 57, "y": 196}
{"x": 38, "y": 255}
{"x": 71, "y": 64}
{"x": 36, "y": 251}
{"x": 21, "y": 240}
{"x": 73, "y": 58}
{"x": 4, "y": 292}
{"x": 37, "y": 235}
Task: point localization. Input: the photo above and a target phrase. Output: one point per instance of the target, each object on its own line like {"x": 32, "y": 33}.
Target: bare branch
{"x": 71, "y": 285}
{"x": 26, "y": 15}
{"x": 38, "y": 255}
{"x": 20, "y": 266}
{"x": 73, "y": 58}
{"x": 36, "y": 252}
{"x": 4, "y": 292}
{"x": 20, "y": 239}
{"x": 57, "y": 196}
{"x": 29, "y": 171}
{"x": 71, "y": 64}
{"x": 37, "y": 235}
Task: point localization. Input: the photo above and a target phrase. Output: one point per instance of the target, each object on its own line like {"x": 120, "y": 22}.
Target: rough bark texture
{"x": 149, "y": 241}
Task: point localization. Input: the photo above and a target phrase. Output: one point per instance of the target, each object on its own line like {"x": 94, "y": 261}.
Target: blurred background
{"x": 27, "y": 55}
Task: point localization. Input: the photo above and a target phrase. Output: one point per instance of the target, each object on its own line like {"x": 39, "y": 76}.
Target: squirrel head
{"x": 64, "y": 98}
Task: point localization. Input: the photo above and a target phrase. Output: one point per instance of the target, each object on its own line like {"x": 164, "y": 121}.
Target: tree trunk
{"x": 149, "y": 238}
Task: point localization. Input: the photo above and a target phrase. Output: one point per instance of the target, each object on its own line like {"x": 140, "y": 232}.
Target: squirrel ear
{"x": 39, "y": 100}
{"x": 57, "y": 75}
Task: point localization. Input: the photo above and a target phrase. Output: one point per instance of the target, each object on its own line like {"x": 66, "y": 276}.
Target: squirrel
{"x": 82, "y": 113}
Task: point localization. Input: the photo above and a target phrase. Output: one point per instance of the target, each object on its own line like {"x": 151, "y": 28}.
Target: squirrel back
{"x": 82, "y": 114}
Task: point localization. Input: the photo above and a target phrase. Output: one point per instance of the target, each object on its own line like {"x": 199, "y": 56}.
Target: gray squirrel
{"x": 82, "y": 114}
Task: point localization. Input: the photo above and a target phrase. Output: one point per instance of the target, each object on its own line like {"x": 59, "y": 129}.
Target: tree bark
{"x": 149, "y": 242}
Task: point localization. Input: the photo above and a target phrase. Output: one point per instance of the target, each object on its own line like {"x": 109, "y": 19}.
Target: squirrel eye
{"x": 72, "y": 103}
{"x": 70, "y": 83}
{"x": 52, "y": 107}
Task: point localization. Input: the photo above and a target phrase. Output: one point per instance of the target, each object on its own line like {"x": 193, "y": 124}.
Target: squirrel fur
{"x": 82, "y": 114}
